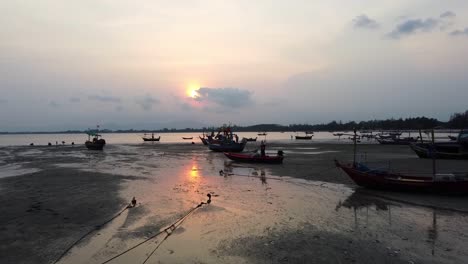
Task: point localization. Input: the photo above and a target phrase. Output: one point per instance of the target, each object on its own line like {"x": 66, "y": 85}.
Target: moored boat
{"x": 95, "y": 143}
{"x": 187, "y": 138}
{"x": 451, "y": 183}
{"x": 397, "y": 141}
{"x": 304, "y": 137}
{"x": 256, "y": 158}
{"x": 251, "y": 139}
{"x": 228, "y": 146}
{"x": 443, "y": 150}
{"x": 152, "y": 138}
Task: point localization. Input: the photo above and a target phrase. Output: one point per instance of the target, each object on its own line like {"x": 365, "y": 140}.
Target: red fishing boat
{"x": 449, "y": 183}
{"x": 255, "y": 158}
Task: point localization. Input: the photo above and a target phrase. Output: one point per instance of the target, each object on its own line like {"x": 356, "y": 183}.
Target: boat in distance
{"x": 451, "y": 183}
{"x": 255, "y": 158}
{"x": 304, "y": 137}
{"x": 96, "y": 143}
{"x": 152, "y": 138}
{"x": 187, "y": 138}
{"x": 228, "y": 146}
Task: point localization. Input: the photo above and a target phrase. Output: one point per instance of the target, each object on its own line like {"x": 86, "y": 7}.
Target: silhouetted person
{"x": 209, "y": 199}
{"x": 133, "y": 202}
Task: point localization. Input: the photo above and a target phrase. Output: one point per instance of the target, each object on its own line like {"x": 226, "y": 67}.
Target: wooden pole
{"x": 433, "y": 155}
{"x": 420, "y": 136}
{"x": 354, "y": 151}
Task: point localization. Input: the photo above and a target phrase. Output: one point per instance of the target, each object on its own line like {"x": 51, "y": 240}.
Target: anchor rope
{"x": 97, "y": 227}
{"x": 167, "y": 230}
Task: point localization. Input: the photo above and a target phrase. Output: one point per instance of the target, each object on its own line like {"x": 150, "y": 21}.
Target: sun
{"x": 192, "y": 90}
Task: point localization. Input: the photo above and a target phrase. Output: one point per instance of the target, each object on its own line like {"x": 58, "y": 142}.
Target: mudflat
{"x": 303, "y": 211}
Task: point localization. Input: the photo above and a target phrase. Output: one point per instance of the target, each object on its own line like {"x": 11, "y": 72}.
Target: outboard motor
{"x": 280, "y": 153}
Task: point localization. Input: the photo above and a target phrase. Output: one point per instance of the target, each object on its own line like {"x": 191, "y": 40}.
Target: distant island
{"x": 457, "y": 121}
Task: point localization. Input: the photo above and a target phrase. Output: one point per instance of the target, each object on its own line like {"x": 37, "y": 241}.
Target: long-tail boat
{"x": 152, "y": 138}
{"x": 256, "y": 158}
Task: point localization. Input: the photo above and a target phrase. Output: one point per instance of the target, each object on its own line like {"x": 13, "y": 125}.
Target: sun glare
{"x": 192, "y": 90}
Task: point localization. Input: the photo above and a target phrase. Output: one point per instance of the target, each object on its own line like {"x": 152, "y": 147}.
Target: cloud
{"x": 363, "y": 21}
{"x": 54, "y": 104}
{"x": 147, "y": 102}
{"x": 459, "y": 32}
{"x": 225, "y": 97}
{"x": 3, "y": 101}
{"x": 447, "y": 14}
{"x": 412, "y": 26}
{"x": 105, "y": 98}
{"x": 74, "y": 100}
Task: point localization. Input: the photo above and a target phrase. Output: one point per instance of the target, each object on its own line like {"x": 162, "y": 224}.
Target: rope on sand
{"x": 97, "y": 227}
{"x": 169, "y": 230}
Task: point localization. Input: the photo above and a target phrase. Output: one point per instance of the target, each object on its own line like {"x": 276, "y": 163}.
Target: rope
{"x": 167, "y": 230}
{"x": 97, "y": 227}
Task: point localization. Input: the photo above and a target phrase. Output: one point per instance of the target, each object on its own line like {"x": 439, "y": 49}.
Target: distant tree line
{"x": 457, "y": 121}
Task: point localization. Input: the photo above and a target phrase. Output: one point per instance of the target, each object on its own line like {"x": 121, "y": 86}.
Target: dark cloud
{"x": 225, "y": 97}
{"x": 447, "y": 14}
{"x": 363, "y": 21}
{"x": 412, "y": 26}
{"x": 459, "y": 32}
{"x": 105, "y": 98}
{"x": 54, "y": 104}
{"x": 74, "y": 100}
{"x": 147, "y": 102}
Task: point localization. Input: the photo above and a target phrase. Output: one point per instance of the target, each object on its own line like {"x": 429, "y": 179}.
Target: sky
{"x": 176, "y": 64}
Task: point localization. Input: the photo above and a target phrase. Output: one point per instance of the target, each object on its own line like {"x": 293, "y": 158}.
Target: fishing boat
{"x": 262, "y": 134}
{"x": 449, "y": 183}
{"x": 251, "y": 139}
{"x": 152, "y": 138}
{"x": 304, "y": 137}
{"x": 95, "y": 143}
{"x": 228, "y": 146}
{"x": 397, "y": 141}
{"x": 255, "y": 158}
{"x": 204, "y": 140}
{"x": 187, "y": 138}
{"x": 443, "y": 150}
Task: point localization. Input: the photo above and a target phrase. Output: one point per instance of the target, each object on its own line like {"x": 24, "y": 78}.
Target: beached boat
{"x": 187, "y": 138}
{"x": 251, "y": 139}
{"x": 95, "y": 143}
{"x": 443, "y": 150}
{"x": 228, "y": 146}
{"x": 152, "y": 138}
{"x": 262, "y": 134}
{"x": 204, "y": 140}
{"x": 255, "y": 158}
{"x": 304, "y": 137}
{"x": 397, "y": 141}
{"x": 452, "y": 183}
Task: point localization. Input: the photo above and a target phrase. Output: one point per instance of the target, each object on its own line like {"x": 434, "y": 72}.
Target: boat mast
{"x": 354, "y": 150}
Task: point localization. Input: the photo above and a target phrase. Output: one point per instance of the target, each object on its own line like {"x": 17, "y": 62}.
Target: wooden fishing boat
{"x": 452, "y": 183}
{"x": 228, "y": 146}
{"x": 397, "y": 141}
{"x": 448, "y": 150}
{"x": 255, "y": 158}
{"x": 152, "y": 138}
{"x": 187, "y": 138}
{"x": 204, "y": 140}
{"x": 95, "y": 143}
{"x": 304, "y": 137}
{"x": 262, "y": 134}
{"x": 251, "y": 139}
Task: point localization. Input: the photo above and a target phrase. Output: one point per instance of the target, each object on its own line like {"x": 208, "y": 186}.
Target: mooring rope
{"x": 97, "y": 227}
{"x": 169, "y": 230}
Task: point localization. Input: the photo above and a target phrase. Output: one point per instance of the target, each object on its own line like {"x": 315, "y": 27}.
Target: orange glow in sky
{"x": 192, "y": 90}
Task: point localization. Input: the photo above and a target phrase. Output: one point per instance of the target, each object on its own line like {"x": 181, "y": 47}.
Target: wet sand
{"x": 304, "y": 211}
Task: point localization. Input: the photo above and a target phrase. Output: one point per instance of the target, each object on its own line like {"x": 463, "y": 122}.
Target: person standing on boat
{"x": 262, "y": 148}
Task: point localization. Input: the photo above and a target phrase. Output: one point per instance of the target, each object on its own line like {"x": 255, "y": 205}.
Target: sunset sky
{"x": 154, "y": 64}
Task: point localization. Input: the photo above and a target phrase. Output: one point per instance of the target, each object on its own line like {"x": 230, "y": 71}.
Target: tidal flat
{"x": 303, "y": 211}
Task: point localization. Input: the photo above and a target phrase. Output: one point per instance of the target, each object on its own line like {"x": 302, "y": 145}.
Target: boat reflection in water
{"x": 405, "y": 221}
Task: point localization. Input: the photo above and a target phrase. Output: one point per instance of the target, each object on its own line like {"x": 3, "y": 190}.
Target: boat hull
{"x": 254, "y": 158}
{"x": 442, "y": 151}
{"x": 227, "y": 147}
{"x": 304, "y": 137}
{"x": 397, "y": 182}
{"x": 152, "y": 139}
{"x": 96, "y": 145}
